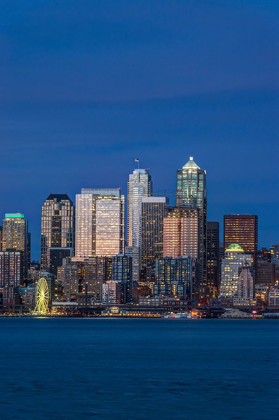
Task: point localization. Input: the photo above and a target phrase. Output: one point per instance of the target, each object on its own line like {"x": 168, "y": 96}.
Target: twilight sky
{"x": 87, "y": 86}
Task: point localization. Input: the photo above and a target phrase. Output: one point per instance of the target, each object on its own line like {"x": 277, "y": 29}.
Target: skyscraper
{"x": 154, "y": 209}
{"x": 234, "y": 259}
{"x": 57, "y": 226}
{"x": 11, "y": 268}
{"x": 181, "y": 233}
{"x": 213, "y": 257}
{"x": 15, "y": 236}
{"x": 139, "y": 186}
{"x": 191, "y": 193}
{"x": 243, "y": 230}
{"x": 99, "y": 222}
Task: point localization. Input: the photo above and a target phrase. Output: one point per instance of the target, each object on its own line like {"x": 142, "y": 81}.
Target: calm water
{"x": 139, "y": 369}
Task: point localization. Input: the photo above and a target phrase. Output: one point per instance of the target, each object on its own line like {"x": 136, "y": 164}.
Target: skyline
{"x": 90, "y": 88}
{"x": 35, "y": 240}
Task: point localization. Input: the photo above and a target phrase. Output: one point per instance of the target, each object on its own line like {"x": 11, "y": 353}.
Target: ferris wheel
{"x": 42, "y": 296}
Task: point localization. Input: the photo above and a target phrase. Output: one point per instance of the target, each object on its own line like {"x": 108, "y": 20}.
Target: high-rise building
{"x": 181, "y": 233}
{"x": 213, "y": 257}
{"x": 122, "y": 273}
{"x": 191, "y": 194}
{"x": 174, "y": 277}
{"x": 154, "y": 209}
{"x": 11, "y": 268}
{"x": 15, "y": 237}
{"x": 57, "y": 226}
{"x": 139, "y": 186}
{"x": 241, "y": 229}
{"x": 234, "y": 259}
{"x": 265, "y": 272}
{"x": 99, "y": 222}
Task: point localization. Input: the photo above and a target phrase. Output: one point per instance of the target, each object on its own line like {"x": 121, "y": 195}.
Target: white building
{"x": 99, "y": 222}
{"x": 234, "y": 259}
{"x": 139, "y": 186}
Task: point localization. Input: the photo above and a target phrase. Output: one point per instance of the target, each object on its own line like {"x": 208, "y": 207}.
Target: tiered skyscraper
{"x": 139, "y": 186}
{"x": 191, "y": 194}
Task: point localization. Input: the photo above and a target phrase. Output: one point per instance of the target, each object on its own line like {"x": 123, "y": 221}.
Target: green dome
{"x": 235, "y": 247}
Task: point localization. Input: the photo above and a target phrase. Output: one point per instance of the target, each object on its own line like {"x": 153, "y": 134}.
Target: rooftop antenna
{"x": 137, "y": 160}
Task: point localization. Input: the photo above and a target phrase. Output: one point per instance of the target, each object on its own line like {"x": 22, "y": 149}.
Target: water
{"x": 139, "y": 369}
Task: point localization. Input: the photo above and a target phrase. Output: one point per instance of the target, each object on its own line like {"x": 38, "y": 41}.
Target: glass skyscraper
{"x": 139, "y": 186}
{"x": 99, "y": 222}
{"x": 154, "y": 209}
{"x": 57, "y": 226}
{"x": 174, "y": 277}
{"x": 213, "y": 257}
{"x": 191, "y": 193}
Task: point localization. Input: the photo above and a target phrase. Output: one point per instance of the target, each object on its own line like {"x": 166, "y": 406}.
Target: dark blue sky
{"x": 85, "y": 87}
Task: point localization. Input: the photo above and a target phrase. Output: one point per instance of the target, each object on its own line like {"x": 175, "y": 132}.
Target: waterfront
{"x": 136, "y": 368}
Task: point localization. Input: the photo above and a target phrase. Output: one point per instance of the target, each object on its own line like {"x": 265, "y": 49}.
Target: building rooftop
{"x": 58, "y": 197}
{"x": 191, "y": 164}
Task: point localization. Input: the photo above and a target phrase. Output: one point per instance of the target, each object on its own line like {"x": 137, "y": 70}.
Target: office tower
{"x": 234, "y": 259}
{"x": 11, "y": 268}
{"x": 57, "y": 226}
{"x": 213, "y": 257}
{"x": 245, "y": 286}
{"x": 181, "y": 233}
{"x": 99, "y": 222}
{"x": 154, "y": 209}
{"x": 15, "y": 237}
{"x": 56, "y": 258}
{"x": 243, "y": 230}
{"x": 191, "y": 194}
{"x": 83, "y": 278}
{"x": 122, "y": 273}
{"x": 174, "y": 277}
{"x": 139, "y": 186}
{"x": 265, "y": 272}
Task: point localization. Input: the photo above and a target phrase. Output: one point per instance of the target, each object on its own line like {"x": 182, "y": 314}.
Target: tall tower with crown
{"x": 191, "y": 193}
